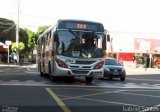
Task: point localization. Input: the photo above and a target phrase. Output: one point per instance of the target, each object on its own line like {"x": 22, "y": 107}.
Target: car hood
{"x": 113, "y": 67}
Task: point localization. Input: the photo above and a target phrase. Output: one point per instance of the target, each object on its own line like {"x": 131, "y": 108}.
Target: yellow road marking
{"x": 58, "y": 100}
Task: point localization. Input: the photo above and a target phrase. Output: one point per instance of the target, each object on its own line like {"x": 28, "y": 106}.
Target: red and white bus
{"x": 72, "y": 48}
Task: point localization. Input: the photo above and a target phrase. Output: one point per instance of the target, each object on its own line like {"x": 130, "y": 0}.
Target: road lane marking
{"x": 144, "y": 90}
{"x": 91, "y": 94}
{"x": 138, "y": 94}
{"x": 115, "y": 86}
{"x": 151, "y": 80}
{"x": 58, "y": 100}
{"x": 88, "y": 89}
{"x": 102, "y": 101}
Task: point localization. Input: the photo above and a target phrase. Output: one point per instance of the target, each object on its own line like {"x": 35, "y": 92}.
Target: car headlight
{"x": 106, "y": 69}
{"x": 123, "y": 70}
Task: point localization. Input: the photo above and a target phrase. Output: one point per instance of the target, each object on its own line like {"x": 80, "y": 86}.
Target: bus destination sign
{"x": 76, "y": 25}
{"x": 81, "y": 26}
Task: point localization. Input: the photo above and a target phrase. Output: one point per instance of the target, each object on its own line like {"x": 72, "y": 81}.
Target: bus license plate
{"x": 70, "y": 61}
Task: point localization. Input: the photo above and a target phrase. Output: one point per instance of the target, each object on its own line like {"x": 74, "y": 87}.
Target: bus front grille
{"x": 79, "y": 72}
{"x": 85, "y": 62}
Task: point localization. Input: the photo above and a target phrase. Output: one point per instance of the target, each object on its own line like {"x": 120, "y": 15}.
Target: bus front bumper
{"x": 78, "y": 72}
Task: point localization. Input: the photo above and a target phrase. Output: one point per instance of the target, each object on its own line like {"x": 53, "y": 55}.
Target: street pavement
{"x": 130, "y": 70}
{"x": 24, "y": 90}
{"x": 140, "y": 71}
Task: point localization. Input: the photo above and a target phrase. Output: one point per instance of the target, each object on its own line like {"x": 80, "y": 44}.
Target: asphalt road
{"x": 22, "y": 89}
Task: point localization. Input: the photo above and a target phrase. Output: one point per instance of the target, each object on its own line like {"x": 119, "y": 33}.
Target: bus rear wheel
{"x": 41, "y": 73}
{"x": 88, "y": 79}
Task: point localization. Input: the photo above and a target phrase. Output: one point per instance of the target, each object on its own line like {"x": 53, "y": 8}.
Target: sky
{"x": 124, "y": 19}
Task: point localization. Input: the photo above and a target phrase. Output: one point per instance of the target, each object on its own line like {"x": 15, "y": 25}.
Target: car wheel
{"x": 122, "y": 78}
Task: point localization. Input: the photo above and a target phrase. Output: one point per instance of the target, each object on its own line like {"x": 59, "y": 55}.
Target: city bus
{"x": 72, "y": 48}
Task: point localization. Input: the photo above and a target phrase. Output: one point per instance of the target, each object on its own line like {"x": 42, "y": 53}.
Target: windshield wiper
{"x": 75, "y": 35}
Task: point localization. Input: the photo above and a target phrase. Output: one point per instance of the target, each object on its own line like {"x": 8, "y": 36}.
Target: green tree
{"x": 7, "y": 32}
{"x": 21, "y": 46}
{"x": 32, "y": 40}
{"x": 41, "y": 29}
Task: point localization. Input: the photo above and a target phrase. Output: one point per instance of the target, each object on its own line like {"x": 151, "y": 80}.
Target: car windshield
{"x": 80, "y": 44}
{"x": 112, "y": 62}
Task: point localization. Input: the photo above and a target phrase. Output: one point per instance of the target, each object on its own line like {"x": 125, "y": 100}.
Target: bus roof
{"x": 80, "y": 25}
{"x": 92, "y": 25}
{"x": 76, "y": 20}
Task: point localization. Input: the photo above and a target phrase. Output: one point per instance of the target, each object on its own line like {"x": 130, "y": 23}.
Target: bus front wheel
{"x": 88, "y": 79}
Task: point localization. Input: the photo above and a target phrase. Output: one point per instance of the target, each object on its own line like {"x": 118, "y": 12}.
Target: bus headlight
{"x": 60, "y": 63}
{"x": 99, "y": 65}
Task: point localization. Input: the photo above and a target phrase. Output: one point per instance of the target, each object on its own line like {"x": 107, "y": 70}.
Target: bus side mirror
{"x": 55, "y": 37}
{"x": 104, "y": 43}
{"x": 108, "y": 38}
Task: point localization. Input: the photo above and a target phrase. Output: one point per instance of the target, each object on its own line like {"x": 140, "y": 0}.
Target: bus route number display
{"x": 81, "y": 26}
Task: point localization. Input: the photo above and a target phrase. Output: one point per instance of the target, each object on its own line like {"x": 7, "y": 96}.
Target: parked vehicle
{"x": 113, "y": 69}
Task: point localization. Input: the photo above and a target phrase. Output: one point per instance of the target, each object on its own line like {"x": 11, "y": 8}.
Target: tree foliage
{"x": 31, "y": 43}
{"x": 27, "y": 38}
{"x": 41, "y": 29}
{"x": 21, "y": 46}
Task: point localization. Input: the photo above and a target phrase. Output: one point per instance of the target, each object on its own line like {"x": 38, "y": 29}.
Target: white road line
{"x": 32, "y": 72}
{"x": 119, "y": 103}
{"x": 88, "y": 89}
{"x": 91, "y": 95}
{"x": 145, "y": 90}
{"x": 103, "y": 101}
{"x": 144, "y": 79}
{"x": 5, "y": 83}
{"x": 139, "y": 94}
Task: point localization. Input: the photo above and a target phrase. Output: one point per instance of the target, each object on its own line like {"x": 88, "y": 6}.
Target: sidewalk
{"x": 132, "y": 70}
{"x": 10, "y": 65}
{"x": 29, "y": 65}
{"x": 137, "y": 71}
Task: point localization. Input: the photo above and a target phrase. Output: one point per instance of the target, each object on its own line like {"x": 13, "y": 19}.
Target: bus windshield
{"x": 80, "y": 44}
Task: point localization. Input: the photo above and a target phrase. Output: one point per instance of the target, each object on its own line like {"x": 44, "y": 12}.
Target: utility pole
{"x": 17, "y": 31}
